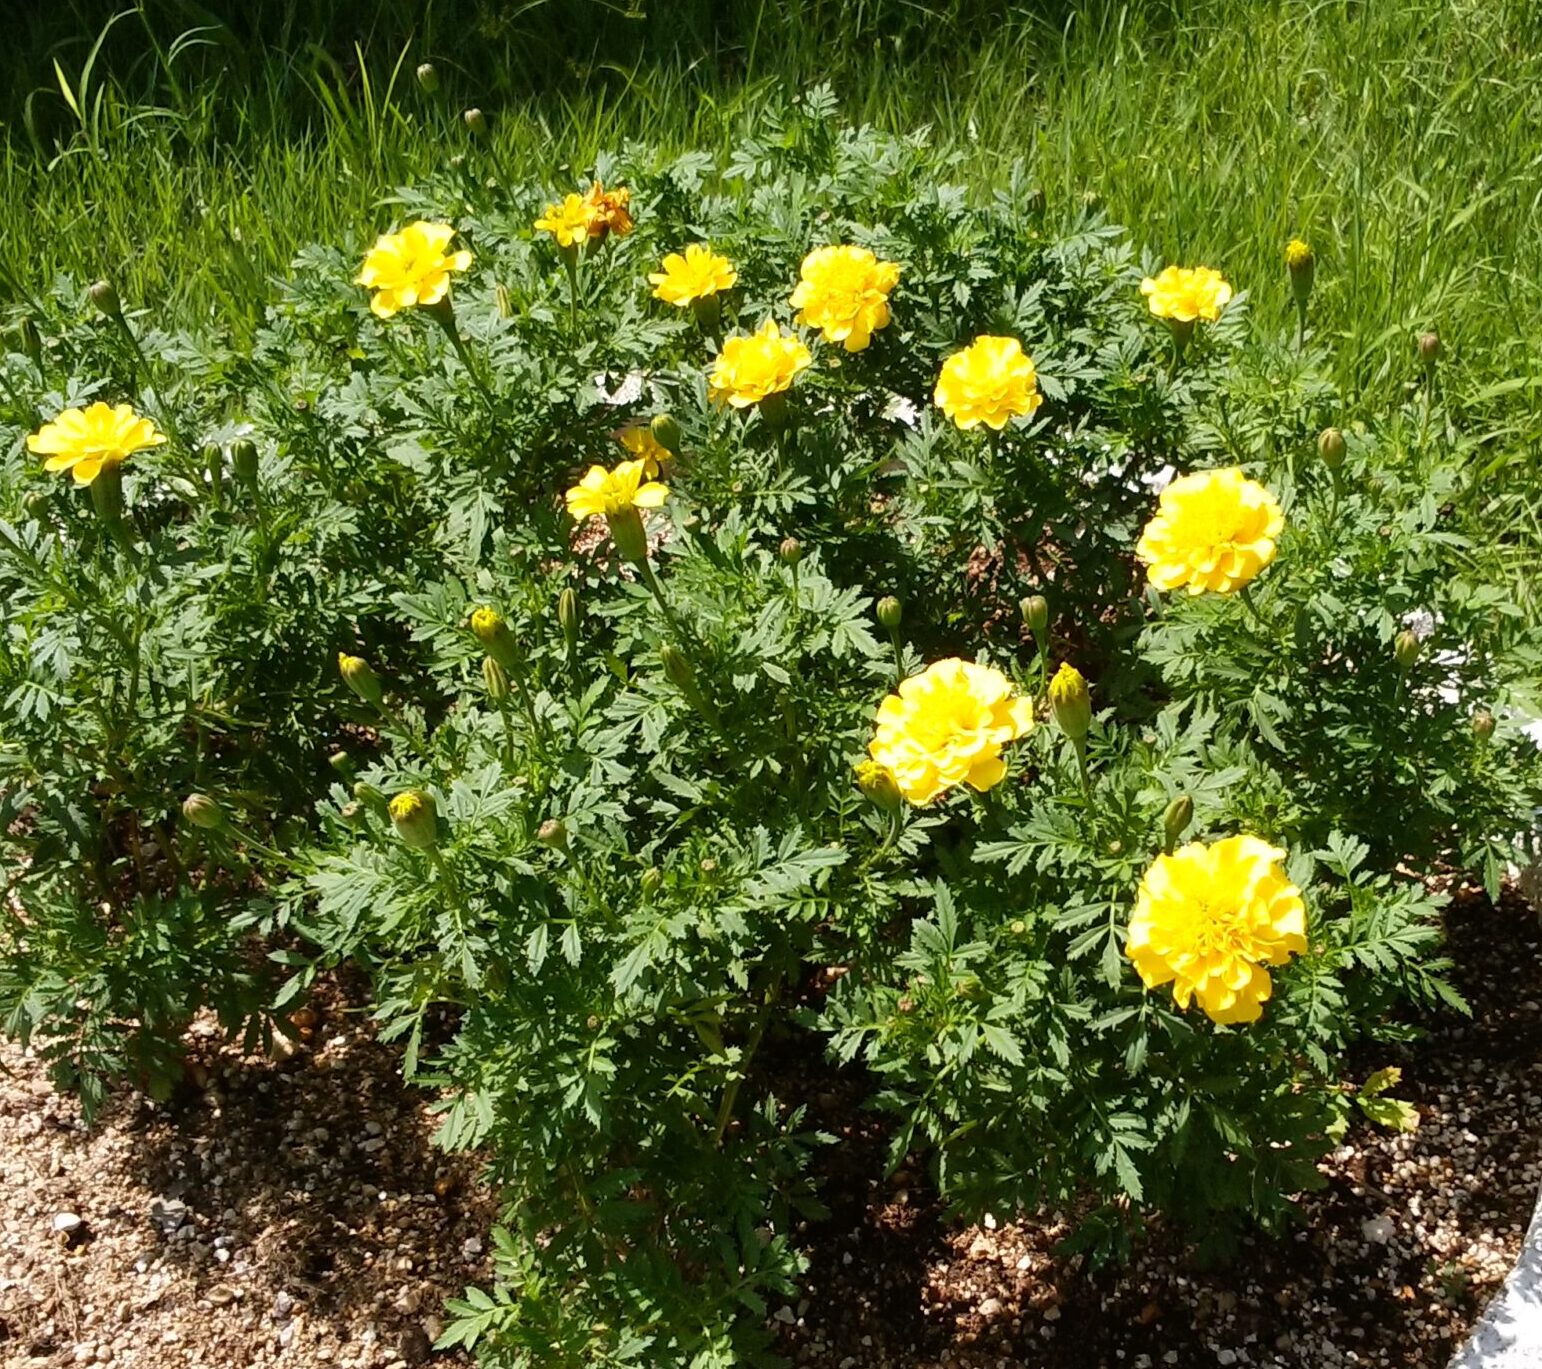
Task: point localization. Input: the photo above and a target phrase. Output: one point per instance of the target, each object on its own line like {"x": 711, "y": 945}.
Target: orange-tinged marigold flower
{"x": 749, "y": 369}
{"x": 697, "y": 273}
{"x": 608, "y": 211}
{"x": 638, "y": 439}
{"x": 87, "y": 441}
{"x": 991, "y": 381}
{"x": 844, "y": 292}
{"x": 570, "y": 221}
{"x": 411, "y": 267}
{"x": 1182, "y": 294}
{"x": 946, "y": 726}
{"x": 1208, "y": 919}
{"x": 1212, "y": 531}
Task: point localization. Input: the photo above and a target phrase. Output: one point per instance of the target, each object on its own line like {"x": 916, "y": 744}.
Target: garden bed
{"x": 322, "y": 1228}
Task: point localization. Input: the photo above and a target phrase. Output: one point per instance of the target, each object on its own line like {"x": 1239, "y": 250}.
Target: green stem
{"x": 1079, "y": 745}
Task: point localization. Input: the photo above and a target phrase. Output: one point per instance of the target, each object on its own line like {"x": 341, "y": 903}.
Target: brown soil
{"x": 293, "y": 1212}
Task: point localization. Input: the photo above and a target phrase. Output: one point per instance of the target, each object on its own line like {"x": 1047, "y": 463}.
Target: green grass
{"x": 1404, "y": 140}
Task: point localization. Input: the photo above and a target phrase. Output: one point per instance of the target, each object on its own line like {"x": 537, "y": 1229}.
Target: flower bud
{"x": 416, "y": 819}
{"x": 366, "y": 792}
{"x": 353, "y": 812}
{"x": 666, "y": 432}
{"x": 1071, "y": 701}
{"x": 107, "y": 494}
{"x": 1429, "y": 349}
{"x": 1405, "y": 647}
{"x": 1035, "y": 611}
{"x": 476, "y": 122}
{"x": 428, "y": 78}
{"x": 1036, "y": 202}
{"x": 243, "y": 460}
{"x": 1331, "y": 448}
{"x": 36, "y": 504}
{"x": 341, "y": 762}
{"x": 878, "y": 784}
{"x": 1302, "y": 267}
{"x": 1176, "y": 820}
{"x": 490, "y": 629}
{"x": 554, "y": 833}
{"x": 652, "y": 881}
{"x": 504, "y": 300}
{"x": 1483, "y": 724}
{"x": 568, "y": 616}
{"x": 495, "y": 680}
{"x": 360, "y": 677}
{"x": 790, "y": 552}
{"x": 105, "y": 298}
{"x": 32, "y": 341}
{"x": 890, "y": 613}
{"x": 202, "y": 811}
{"x": 677, "y": 669}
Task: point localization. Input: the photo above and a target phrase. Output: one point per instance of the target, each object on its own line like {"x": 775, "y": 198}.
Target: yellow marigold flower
{"x": 697, "y": 274}
{"x": 1297, "y": 254}
{"x": 570, "y": 221}
{"x": 608, "y": 212}
{"x": 638, "y": 439}
{"x": 1213, "y": 530}
{"x": 1182, "y": 294}
{"x": 1208, "y": 918}
{"x": 946, "y": 726}
{"x": 990, "y": 382}
{"x": 844, "y": 292}
{"x": 617, "y": 496}
{"x": 410, "y": 267}
{"x": 751, "y": 368}
{"x": 87, "y": 441}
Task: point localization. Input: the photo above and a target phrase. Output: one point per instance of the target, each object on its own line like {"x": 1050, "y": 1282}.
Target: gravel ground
{"x": 291, "y": 1212}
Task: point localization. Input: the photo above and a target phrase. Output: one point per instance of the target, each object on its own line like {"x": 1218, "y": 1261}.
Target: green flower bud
{"x": 1429, "y": 348}
{"x": 504, "y": 300}
{"x": 790, "y": 552}
{"x": 1405, "y": 647}
{"x": 202, "y": 811}
{"x": 32, "y": 341}
{"x": 568, "y": 616}
{"x": 495, "y": 680}
{"x": 666, "y": 432}
{"x": 366, "y": 792}
{"x": 890, "y": 613}
{"x": 554, "y": 833}
{"x": 1176, "y": 820}
{"x": 341, "y": 762}
{"x": 416, "y": 819}
{"x": 652, "y": 881}
{"x": 243, "y": 460}
{"x": 1035, "y": 611}
{"x": 490, "y": 629}
{"x": 428, "y": 78}
{"x": 1483, "y": 724}
{"x": 353, "y": 813}
{"x": 878, "y": 784}
{"x": 36, "y": 504}
{"x": 107, "y": 494}
{"x": 476, "y": 122}
{"x": 106, "y": 300}
{"x": 677, "y": 669}
{"x": 214, "y": 463}
{"x": 1071, "y": 701}
{"x": 360, "y": 677}
{"x": 1331, "y": 448}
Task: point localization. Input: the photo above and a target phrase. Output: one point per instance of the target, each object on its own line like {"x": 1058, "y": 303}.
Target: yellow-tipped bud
{"x": 360, "y": 677}
{"x": 416, "y": 819}
{"x": 877, "y": 782}
{"x": 1071, "y": 701}
{"x": 202, "y": 811}
{"x": 1302, "y": 267}
{"x": 489, "y": 628}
